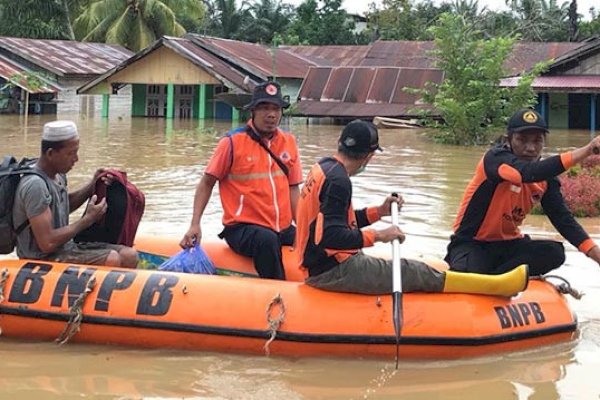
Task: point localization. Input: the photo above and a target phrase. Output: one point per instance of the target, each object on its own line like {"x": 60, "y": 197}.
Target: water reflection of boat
{"x": 386, "y": 122}
{"x": 157, "y": 309}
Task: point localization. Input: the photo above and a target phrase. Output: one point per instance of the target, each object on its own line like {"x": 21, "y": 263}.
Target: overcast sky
{"x": 361, "y": 6}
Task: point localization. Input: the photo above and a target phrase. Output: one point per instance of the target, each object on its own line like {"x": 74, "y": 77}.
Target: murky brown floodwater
{"x": 166, "y": 162}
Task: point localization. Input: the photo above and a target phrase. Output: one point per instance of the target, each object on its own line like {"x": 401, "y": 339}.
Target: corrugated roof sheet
{"x": 414, "y": 54}
{"x": 186, "y": 48}
{"x": 571, "y": 58}
{"x": 362, "y": 91}
{"x": 256, "y": 58}
{"x": 571, "y": 83}
{"x": 525, "y": 55}
{"x": 64, "y": 57}
{"x": 332, "y": 55}
{"x": 356, "y": 110}
{"x": 8, "y": 70}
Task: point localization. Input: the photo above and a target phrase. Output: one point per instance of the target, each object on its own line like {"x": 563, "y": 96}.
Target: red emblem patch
{"x": 271, "y": 90}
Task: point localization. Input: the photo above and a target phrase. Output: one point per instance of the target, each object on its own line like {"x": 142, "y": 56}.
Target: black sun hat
{"x": 268, "y": 92}
{"x": 527, "y": 119}
{"x": 360, "y": 137}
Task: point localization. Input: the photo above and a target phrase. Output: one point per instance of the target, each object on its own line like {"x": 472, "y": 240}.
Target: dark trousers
{"x": 262, "y": 244}
{"x": 493, "y": 258}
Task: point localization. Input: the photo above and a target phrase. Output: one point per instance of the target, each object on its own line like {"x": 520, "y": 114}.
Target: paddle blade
{"x": 192, "y": 261}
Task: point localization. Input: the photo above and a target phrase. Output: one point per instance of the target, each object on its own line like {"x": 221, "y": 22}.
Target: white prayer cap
{"x": 58, "y": 131}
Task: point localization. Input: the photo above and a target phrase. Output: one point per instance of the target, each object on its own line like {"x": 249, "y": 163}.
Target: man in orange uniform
{"x": 510, "y": 179}
{"x": 329, "y": 236}
{"x": 259, "y": 173}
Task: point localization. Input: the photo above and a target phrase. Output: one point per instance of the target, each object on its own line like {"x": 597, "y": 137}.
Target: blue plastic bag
{"x": 192, "y": 260}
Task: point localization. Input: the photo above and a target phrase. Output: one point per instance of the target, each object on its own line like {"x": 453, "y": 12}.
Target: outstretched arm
{"x": 201, "y": 197}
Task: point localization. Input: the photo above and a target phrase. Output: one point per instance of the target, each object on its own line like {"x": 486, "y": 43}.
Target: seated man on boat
{"x": 259, "y": 172}
{"x": 42, "y": 206}
{"x": 329, "y": 235}
{"x": 509, "y": 180}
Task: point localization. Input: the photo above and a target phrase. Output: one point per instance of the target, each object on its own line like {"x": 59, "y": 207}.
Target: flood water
{"x": 166, "y": 160}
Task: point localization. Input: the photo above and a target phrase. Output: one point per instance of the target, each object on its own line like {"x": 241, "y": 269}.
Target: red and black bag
{"x": 125, "y": 209}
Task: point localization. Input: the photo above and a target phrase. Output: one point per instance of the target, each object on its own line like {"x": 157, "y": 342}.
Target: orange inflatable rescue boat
{"x": 145, "y": 307}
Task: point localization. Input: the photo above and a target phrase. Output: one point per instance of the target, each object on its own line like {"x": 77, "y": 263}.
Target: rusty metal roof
{"x": 332, "y": 55}
{"x": 362, "y": 91}
{"x": 9, "y": 69}
{"x": 400, "y": 53}
{"x": 255, "y": 58}
{"x": 64, "y": 57}
{"x": 213, "y": 65}
{"x": 414, "y": 54}
{"x": 572, "y": 58}
{"x": 560, "y": 83}
{"x": 525, "y": 55}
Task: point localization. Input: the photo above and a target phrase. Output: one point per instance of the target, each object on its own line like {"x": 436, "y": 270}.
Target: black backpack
{"x": 11, "y": 172}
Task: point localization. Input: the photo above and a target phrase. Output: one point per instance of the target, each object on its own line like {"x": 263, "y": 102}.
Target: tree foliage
{"x": 470, "y": 99}
{"x": 34, "y": 19}
{"x": 134, "y": 24}
{"x": 320, "y": 22}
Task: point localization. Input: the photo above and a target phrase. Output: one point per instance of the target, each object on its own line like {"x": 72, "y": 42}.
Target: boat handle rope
{"x": 564, "y": 287}
{"x": 3, "y": 278}
{"x": 274, "y": 323}
{"x": 76, "y": 314}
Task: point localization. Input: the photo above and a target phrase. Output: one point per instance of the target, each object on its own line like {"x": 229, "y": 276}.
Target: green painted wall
{"x": 138, "y": 100}
{"x": 210, "y": 105}
{"x": 558, "y": 110}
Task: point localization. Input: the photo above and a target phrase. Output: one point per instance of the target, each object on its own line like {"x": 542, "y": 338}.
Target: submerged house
{"x": 50, "y": 71}
{"x": 197, "y": 77}
{"x": 356, "y": 82}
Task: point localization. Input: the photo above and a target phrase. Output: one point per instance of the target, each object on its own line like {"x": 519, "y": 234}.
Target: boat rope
{"x": 76, "y": 314}
{"x": 3, "y": 278}
{"x": 274, "y": 323}
{"x": 563, "y": 287}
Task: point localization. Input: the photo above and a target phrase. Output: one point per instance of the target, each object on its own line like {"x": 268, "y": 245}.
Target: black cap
{"x": 360, "y": 137}
{"x": 526, "y": 119}
{"x": 268, "y": 92}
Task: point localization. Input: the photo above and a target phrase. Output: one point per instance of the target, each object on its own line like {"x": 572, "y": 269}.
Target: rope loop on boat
{"x": 274, "y": 323}
{"x": 3, "y": 278}
{"x": 563, "y": 287}
{"x": 76, "y": 314}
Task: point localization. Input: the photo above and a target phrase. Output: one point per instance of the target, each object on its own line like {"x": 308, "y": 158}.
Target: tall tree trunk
{"x": 573, "y": 22}
{"x": 66, "y": 11}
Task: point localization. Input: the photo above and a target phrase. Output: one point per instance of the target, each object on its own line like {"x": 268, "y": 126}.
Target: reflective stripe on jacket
{"x": 256, "y": 190}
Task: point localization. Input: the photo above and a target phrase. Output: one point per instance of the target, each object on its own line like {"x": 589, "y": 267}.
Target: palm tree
{"x": 35, "y": 19}
{"x": 541, "y": 20}
{"x": 263, "y": 19}
{"x": 225, "y": 18}
{"x": 134, "y": 24}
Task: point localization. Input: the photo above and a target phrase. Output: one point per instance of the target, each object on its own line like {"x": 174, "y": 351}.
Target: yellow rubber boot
{"x": 507, "y": 284}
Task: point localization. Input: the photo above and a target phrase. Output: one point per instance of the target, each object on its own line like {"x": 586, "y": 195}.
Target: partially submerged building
{"x": 198, "y": 77}
{"x": 51, "y": 71}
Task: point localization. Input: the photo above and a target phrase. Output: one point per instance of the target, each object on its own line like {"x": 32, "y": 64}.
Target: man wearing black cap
{"x": 259, "y": 172}
{"x": 510, "y": 180}
{"x": 329, "y": 237}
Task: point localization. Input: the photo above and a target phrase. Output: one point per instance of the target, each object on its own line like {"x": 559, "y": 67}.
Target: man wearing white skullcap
{"x": 43, "y": 204}
{"x": 59, "y": 131}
